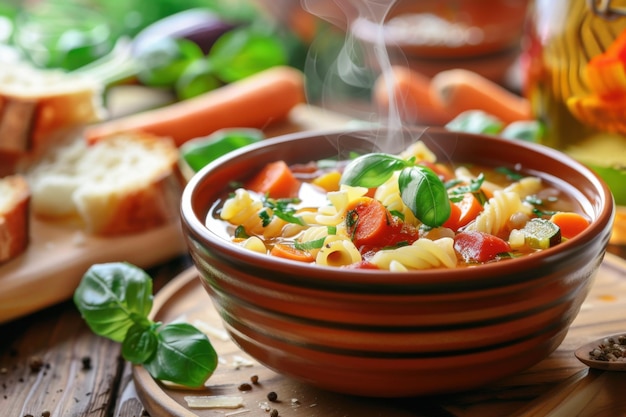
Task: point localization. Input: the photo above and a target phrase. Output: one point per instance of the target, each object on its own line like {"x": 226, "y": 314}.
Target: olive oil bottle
{"x": 574, "y": 58}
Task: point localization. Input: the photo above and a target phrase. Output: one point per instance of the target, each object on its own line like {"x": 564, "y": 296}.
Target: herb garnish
{"x": 420, "y": 188}
{"x": 240, "y": 232}
{"x": 511, "y": 174}
{"x": 537, "y": 202}
{"x": 311, "y": 244}
{"x": 456, "y": 194}
{"x": 281, "y": 208}
{"x": 115, "y": 300}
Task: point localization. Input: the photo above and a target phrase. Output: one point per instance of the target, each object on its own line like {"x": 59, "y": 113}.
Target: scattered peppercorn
{"x": 86, "y": 360}
{"x": 254, "y": 379}
{"x": 45, "y": 414}
{"x": 36, "y": 363}
{"x": 274, "y": 413}
{"x": 272, "y": 396}
{"x": 245, "y": 387}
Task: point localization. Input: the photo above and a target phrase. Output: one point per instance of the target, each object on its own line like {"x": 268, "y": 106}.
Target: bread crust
{"x": 14, "y": 217}
{"x": 125, "y": 183}
{"x": 38, "y": 108}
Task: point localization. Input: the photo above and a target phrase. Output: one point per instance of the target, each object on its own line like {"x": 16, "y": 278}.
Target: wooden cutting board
{"x": 58, "y": 255}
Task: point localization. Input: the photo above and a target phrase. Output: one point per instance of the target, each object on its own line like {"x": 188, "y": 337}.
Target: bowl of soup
{"x": 390, "y": 263}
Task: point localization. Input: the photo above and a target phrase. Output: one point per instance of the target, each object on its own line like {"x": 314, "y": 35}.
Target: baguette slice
{"x": 14, "y": 220}
{"x": 123, "y": 184}
{"x": 38, "y": 106}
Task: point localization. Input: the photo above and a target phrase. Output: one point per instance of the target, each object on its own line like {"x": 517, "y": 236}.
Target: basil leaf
{"x": 425, "y": 194}
{"x": 475, "y": 121}
{"x": 139, "y": 344}
{"x": 528, "y": 130}
{"x": 199, "y": 152}
{"x": 371, "y": 170}
{"x": 184, "y": 356}
{"x": 112, "y": 297}
{"x": 245, "y": 51}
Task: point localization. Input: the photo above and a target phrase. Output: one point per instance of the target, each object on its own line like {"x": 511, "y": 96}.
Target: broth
{"x": 539, "y": 198}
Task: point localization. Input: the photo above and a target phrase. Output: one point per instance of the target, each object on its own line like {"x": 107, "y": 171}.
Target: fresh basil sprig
{"x": 421, "y": 190}
{"x": 371, "y": 170}
{"x": 115, "y": 300}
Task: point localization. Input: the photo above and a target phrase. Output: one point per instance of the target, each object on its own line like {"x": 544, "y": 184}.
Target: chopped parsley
{"x": 283, "y": 208}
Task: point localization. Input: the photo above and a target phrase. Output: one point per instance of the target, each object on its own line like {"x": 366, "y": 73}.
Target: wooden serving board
{"x": 58, "y": 255}
{"x": 539, "y": 391}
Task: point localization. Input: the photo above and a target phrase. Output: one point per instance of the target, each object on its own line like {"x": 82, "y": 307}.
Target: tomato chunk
{"x": 372, "y": 227}
{"x": 479, "y": 246}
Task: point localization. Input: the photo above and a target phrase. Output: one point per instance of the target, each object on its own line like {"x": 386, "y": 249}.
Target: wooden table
{"x": 52, "y": 364}
{"x": 50, "y": 361}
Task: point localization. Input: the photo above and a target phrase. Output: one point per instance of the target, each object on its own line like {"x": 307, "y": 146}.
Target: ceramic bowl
{"x": 383, "y": 334}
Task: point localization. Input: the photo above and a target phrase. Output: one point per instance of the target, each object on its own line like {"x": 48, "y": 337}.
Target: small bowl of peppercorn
{"x": 392, "y": 263}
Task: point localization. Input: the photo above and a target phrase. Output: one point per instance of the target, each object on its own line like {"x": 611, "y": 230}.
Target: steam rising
{"x": 341, "y": 69}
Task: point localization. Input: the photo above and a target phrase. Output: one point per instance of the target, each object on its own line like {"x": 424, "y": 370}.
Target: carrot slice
{"x": 275, "y": 180}
{"x": 462, "y": 90}
{"x": 255, "y": 102}
{"x": 410, "y": 92}
{"x": 571, "y": 224}
{"x": 289, "y": 252}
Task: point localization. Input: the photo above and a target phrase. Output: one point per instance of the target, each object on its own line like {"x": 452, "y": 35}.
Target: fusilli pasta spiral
{"x": 422, "y": 254}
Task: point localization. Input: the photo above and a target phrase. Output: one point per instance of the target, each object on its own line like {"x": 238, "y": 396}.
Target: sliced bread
{"x": 14, "y": 216}
{"x": 125, "y": 183}
{"x": 39, "y": 106}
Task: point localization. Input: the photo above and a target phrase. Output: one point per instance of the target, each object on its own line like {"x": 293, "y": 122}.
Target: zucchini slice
{"x": 541, "y": 234}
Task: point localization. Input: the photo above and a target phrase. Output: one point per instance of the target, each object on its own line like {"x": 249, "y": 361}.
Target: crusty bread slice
{"x": 38, "y": 106}
{"x": 123, "y": 184}
{"x": 14, "y": 216}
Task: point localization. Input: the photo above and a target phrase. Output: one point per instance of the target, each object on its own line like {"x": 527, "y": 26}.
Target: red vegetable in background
{"x": 251, "y": 102}
{"x": 479, "y": 247}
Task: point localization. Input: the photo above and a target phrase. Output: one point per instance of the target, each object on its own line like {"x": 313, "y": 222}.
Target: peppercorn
{"x": 36, "y": 363}
{"x": 245, "y": 387}
{"x": 45, "y": 413}
{"x": 272, "y": 396}
{"x": 274, "y": 413}
{"x": 254, "y": 379}
{"x": 86, "y": 361}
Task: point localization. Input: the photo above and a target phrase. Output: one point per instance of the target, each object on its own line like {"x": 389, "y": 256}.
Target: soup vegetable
{"x": 396, "y": 212}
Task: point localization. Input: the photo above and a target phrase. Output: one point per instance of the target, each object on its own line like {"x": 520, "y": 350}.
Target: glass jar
{"x": 574, "y": 59}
